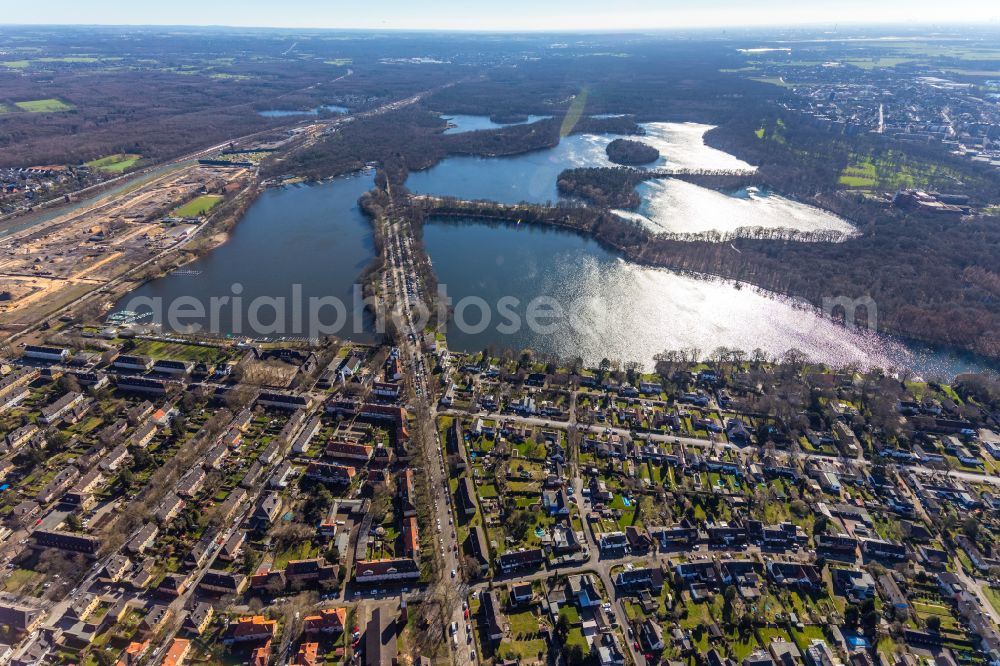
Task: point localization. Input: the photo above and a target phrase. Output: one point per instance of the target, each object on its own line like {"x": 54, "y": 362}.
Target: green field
{"x": 773, "y": 80}
{"x": 16, "y": 64}
{"x": 69, "y": 59}
{"x": 51, "y": 105}
{"x": 178, "y": 351}
{"x": 198, "y": 206}
{"x": 862, "y": 174}
{"x": 877, "y": 62}
{"x": 114, "y": 163}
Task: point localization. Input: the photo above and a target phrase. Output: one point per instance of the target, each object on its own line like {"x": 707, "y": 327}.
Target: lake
{"x": 284, "y": 113}
{"x": 625, "y": 311}
{"x": 309, "y": 235}
{"x": 459, "y": 123}
{"x": 316, "y": 236}
{"x": 667, "y": 204}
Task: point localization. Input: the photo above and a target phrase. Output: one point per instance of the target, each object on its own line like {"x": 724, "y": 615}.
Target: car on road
{"x": 453, "y": 573}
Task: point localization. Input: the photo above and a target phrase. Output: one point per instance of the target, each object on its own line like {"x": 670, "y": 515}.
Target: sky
{"x": 498, "y": 15}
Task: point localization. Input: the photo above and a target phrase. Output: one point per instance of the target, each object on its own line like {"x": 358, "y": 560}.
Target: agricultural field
{"x": 114, "y": 163}
{"x": 50, "y": 105}
{"x": 198, "y": 206}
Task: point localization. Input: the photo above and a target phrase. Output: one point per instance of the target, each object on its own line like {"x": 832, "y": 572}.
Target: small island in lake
{"x": 631, "y": 153}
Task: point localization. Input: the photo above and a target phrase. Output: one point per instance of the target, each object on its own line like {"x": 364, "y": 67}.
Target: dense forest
{"x": 631, "y": 153}
{"x": 162, "y": 94}
{"x": 412, "y": 139}
{"x": 604, "y": 187}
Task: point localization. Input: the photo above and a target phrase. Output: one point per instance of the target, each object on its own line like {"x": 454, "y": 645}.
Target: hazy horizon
{"x": 511, "y": 16}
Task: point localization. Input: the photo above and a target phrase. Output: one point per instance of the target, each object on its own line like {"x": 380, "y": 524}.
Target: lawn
{"x": 199, "y": 206}
{"x": 522, "y": 624}
{"x": 300, "y": 551}
{"x": 527, "y": 651}
{"x": 178, "y": 351}
{"x": 19, "y": 579}
{"x": 859, "y": 175}
{"x": 803, "y": 637}
{"x": 50, "y": 105}
{"x": 994, "y": 597}
{"x": 114, "y": 163}
{"x": 575, "y": 637}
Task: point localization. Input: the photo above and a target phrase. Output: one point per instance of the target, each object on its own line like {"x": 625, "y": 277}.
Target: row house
{"x": 330, "y": 472}
{"x": 54, "y": 412}
{"x": 16, "y": 439}
{"x": 172, "y": 367}
{"x": 115, "y": 458}
{"x": 330, "y": 621}
{"x": 14, "y": 383}
{"x": 143, "y": 435}
{"x": 521, "y": 560}
{"x": 223, "y": 582}
{"x": 252, "y": 629}
{"x": 407, "y": 494}
{"x": 191, "y": 483}
{"x": 883, "y": 550}
{"x": 143, "y": 539}
{"x": 142, "y": 385}
{"x": 59, "y": 484}
{"x": 132, "y": 363}
{"x": 349, "y": 450}
{"x": 378, "y": 571}
{"x": 285, "y": 401}
{"x": 68, "y": 541}
{"x": 303, "y": 439}
{"x": 51, "y": 354}
{"x": 795, "y": 574}
{"x": 168, "y": 508}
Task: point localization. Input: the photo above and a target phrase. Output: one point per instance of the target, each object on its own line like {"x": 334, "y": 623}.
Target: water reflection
{"x": 314, "y": 236}
{"x": 624, "y": 311}
{"x": 667, "y": 205}
{"x": 462, "y": 123}
{"x": 283, "y": 113}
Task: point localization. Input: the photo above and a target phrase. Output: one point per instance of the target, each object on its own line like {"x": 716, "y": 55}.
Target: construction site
{"x": 49, "y": 265}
